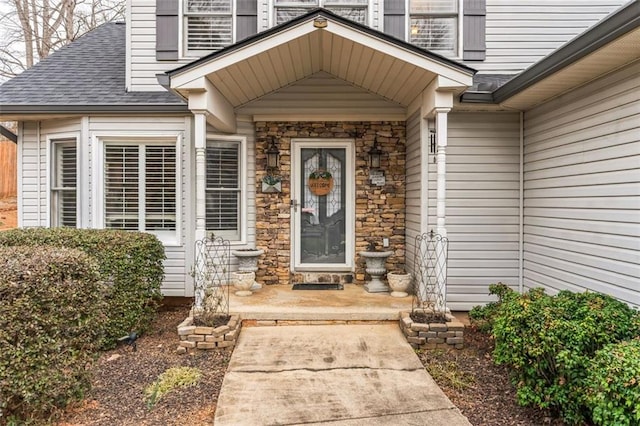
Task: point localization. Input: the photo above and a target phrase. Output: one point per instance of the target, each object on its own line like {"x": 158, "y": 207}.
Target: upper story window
{"x": 63, "y": 185}
{"x": 208, "y": 25}
{"x": 434, "y": 25}
{"x": 356, "y": 10}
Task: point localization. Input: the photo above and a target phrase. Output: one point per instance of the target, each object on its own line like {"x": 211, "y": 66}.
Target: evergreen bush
{"x": 52, "y": 313}
{"x": 130, "y": 264}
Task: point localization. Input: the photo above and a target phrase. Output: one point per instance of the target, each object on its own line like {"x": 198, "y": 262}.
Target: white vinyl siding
{"x": 482, "y": 206}
{"x": 223, "y": 190}
{"x": 208, "y": 25}
{"x": 520, "y": 33}
{"x": 64, "y": 204}
{"x": 434, "y": 25}
{"x": 582, "y": 189}
{"x": 414, "y": 172}
{"x": 356, "y": 10}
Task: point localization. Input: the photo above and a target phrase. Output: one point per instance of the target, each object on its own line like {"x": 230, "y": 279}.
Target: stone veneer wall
{"x": 380, "y": 211}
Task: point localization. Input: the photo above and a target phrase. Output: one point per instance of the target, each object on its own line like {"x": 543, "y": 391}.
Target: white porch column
{"x": 200, "y": 139}
{"x": 441, "y": 162}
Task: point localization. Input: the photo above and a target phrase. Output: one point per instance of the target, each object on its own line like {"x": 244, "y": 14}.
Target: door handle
{"x": 294, "y": 204}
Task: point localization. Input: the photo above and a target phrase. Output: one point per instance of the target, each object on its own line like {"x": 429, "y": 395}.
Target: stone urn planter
{"x": 375, "y": 267}
{"x": 248, "y": 262}
{"x": 243, "y": 281}
{"x": 400, "y": 282}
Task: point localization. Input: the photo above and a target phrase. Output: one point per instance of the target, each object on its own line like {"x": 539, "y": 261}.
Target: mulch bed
{"x": 478, "y": 387}
{"x": 474, "y": 384}
{"x": 120, "y": 376}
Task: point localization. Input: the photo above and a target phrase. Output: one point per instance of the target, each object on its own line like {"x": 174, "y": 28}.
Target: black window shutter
{"x": 394, "y": 18}
{"x": 473, "y": 30}
{"x": 246, "y": 18}
{"x": 167, "y": 21}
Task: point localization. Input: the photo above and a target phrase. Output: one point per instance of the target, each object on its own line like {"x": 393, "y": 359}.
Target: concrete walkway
{"x": 330, "y": 374}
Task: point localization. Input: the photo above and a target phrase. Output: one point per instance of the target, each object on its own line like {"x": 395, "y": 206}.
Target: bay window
{"x": 140, "y": 187}
{"x": 434, "y": 25}
{"x": 63, "y": 186}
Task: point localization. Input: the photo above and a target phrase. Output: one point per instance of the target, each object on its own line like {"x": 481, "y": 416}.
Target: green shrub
{"x": 51, "y": 324}
{"x": 130, "y": 263}
{"x": 549, "y": 342}
{"x": 613, "y": 396}
{"x": 484, "y": 316}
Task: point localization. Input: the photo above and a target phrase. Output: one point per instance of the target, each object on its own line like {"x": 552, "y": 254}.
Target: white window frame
{"x": 459, "y": 27}
{"x": 242, "y": 183}
{"x": 100, "y": 141}
{"x": 182, "y": 29}
{"x": 53, "y": 140}
{"x": 368, "y": 7}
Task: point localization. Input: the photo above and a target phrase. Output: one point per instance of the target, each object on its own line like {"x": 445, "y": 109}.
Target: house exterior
{"x": 511, "y": 127}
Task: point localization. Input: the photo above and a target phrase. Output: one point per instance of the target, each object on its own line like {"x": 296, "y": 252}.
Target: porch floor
{"x": 354, "y": 303}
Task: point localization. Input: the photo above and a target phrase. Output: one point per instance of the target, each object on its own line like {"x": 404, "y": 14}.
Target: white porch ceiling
{"x": 377, "y": 65}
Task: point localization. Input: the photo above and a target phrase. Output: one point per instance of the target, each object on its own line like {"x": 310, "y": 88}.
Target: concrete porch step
{"x": 281, "y": 303}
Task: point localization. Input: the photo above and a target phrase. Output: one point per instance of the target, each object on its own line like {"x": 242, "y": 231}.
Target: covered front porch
{"x": 326, "y": 92}
{"x": 281, "y": 304}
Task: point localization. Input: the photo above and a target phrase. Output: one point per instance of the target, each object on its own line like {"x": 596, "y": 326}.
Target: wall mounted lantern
{"x": 374, "y": 157}
{"x": 273, "y": 156}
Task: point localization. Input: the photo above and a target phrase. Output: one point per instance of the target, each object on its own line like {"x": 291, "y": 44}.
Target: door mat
{"x": 317, "y": 286}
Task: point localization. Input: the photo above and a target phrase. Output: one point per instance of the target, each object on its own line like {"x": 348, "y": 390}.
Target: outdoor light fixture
{"x": 273, "y": 156}
{"x": 374, "y": 157}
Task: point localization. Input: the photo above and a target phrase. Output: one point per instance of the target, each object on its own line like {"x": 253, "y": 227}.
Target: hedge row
{"x": 51, "y": 324}
{"x": 130, "y": 264}
{"x": 567, "y": 353}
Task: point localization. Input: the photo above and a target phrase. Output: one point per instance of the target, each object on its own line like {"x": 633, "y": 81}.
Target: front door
{"x": 322, "y": 205}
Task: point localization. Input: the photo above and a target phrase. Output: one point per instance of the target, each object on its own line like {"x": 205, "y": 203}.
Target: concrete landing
{"x": 337, "y": 374}
{"x": 280, "y": 302}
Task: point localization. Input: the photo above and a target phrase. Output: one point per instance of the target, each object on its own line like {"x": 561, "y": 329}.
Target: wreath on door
{"x": 320, "y": 182}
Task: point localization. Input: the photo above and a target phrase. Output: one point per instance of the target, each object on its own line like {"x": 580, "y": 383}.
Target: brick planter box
{"x": 207, "y": 338}
{"x": 433, "y": 335}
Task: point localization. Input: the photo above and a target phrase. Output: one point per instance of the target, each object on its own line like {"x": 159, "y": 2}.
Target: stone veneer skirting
{"x": 433, "y": 335}
{"x": 380, "y": 211}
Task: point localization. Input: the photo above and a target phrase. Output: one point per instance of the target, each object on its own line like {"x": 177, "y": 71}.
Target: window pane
{"x": 64, "y": 196}
{"x": 355, "y": 14}
{"x": 436, "y": 34}
{"x": 121, "y": 187}
{"x": 297, "y": 2}
{"x": 160, "y": 188}
{"x": 284, "y": 14}
{"x": 208, "y": 32}
{"x": 434, "y": 6}
{"x": 219, "y": 6}
{"x": 223, "y": 188}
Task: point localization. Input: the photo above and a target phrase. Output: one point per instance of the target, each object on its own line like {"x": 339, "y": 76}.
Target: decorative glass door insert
{"x": 323, "y": 206}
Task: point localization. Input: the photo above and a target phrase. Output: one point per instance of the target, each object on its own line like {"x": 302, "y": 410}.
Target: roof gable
{"x": 320, "y": 41}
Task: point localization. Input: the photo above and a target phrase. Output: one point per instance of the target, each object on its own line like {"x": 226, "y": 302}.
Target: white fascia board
{"x": 235, "y": 56}
{"x": 453, "y": 75}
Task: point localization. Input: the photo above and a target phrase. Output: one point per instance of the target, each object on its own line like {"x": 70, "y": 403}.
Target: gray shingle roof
{"x": 86, "y": 75}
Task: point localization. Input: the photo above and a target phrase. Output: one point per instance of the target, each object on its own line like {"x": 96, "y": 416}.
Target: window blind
{"x": 223, "y": 188}
{"x": 140, "y": 187}
{"x": 64, "y": 196}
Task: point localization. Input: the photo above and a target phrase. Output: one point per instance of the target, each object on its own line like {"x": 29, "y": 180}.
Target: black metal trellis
{"x": 212, "y": 274}
{"x": 430, "y": 273}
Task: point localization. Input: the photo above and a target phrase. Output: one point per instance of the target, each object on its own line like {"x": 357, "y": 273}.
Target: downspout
{"x": 521, "y": 220}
